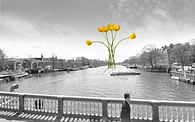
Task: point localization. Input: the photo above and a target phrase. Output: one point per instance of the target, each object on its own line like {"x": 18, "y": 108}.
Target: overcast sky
{"x": 29, "y": 28}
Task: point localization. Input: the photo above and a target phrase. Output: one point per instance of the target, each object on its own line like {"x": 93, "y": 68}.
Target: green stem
{"x": 110, "y": 61}
{"x": 109, "y": 58}
{"x": 106, "y": 37}
{"x": 112, "y": 39}
{"x": 115, "y": 36}
{"x": 103, "y": 35}
{"x": 119, "y": 42}
{"x": 101, "y": 43}
{"x": 113, "y": 60}
{"x": 112, "y": 51}
{"x": 109, "y": 51}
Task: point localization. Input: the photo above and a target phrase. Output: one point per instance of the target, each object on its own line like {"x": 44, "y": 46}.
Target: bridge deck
{"x": 8, "y": 116}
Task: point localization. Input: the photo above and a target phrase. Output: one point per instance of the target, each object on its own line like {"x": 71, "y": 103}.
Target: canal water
{"x": 96, "y": 82}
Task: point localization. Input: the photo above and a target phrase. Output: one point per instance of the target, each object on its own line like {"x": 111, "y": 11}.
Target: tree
{"x": 132, "y": 60}
{"x": 150, "y": 55}
{"x": 2, "y": 60}
{"x": 181, "y": 53}
{"x": 54, "y": 59}
{"x": 169, "y": 52}
{"x": 192, "y": 54}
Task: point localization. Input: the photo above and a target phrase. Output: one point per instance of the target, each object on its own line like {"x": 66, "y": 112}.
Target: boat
{"x": 20, "y": 75}
{"x": 125, "y": 73}
{"x": 68, "y": 69}
{"x": 7, "y": 77}
{"x": 13, "y": 76}
{"x": 83, "y": 67}
{"x": 175, "y": 77}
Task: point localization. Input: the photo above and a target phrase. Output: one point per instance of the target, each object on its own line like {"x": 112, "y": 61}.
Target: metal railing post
{"x": 60, "y": 106}
{"x": 155, "y": 111}
{"x": 104, "y": 110}
{"x": 21, "y": 102}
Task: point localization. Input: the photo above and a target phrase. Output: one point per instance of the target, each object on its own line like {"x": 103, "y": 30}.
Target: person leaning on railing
{"x": 125, "y": 112}
{"x": 13, "y": 87}
{"x": 13, "y": 101}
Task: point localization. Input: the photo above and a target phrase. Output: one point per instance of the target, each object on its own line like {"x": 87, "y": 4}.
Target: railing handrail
{"x": 137, "y": 101}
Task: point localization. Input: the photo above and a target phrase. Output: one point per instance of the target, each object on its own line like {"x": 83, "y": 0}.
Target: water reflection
{"x": 98, "y": 83}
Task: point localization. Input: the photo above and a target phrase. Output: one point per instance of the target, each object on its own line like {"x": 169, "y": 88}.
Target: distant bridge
{"x": 39, "y": 107}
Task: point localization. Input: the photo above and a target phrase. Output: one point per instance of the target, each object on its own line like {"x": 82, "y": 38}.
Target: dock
{"x": 6, "y": 77}
{"x": 21, "y": 75}
{"x": 184, "y": 77}
{"x": 13, "y": 76}
{"x": 125, "y": 73}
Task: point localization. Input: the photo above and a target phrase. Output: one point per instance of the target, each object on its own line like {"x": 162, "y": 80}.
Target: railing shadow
{"x": 27, "y": 117}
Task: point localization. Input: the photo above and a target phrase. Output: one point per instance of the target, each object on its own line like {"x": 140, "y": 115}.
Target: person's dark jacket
{"x": 125, "y": 112}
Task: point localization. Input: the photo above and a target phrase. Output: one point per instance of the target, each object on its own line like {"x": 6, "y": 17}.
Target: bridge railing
{"x": 9, "y": 101}
{"x": 98, "y": 108}
{"x": 177, "y": 111}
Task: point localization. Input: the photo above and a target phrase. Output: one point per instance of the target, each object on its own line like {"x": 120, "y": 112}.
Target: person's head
{"x": 127, "y": 96}
{"x": 15, "y": 86}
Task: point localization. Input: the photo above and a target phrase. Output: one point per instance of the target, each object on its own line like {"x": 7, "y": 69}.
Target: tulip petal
{"x": 132, "y": 36}
{"x": 116, "y": 27}
{"x": 101, "y": 28}
{"x": 89, "y": 42}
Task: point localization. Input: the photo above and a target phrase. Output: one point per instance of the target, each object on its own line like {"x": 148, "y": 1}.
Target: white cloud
{"x": 19, "y": 26}
{"x": 120, "y": 5}
{"x": 161, "y": 12}
{"x": 164, "y": 32}
{"x": 62, "y": 30}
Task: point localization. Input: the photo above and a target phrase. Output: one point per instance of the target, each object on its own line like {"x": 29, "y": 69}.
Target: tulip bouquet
{"x": 111, "y": 47}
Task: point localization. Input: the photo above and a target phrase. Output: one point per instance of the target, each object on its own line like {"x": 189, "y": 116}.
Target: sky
{"x": 29, "y": 28}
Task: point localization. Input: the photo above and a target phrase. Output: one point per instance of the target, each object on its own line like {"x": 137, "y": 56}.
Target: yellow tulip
{"x": 132, "y": 36}
{"x": 116, "y": 27}
{"x": 100, "y": 28}
{"x": 106, "y": 29}
{"x": 89, "y": 42}
{"x": 110, "y": 26}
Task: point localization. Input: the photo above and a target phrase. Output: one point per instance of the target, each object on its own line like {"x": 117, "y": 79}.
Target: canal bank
{"x": 12, "y": 76}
